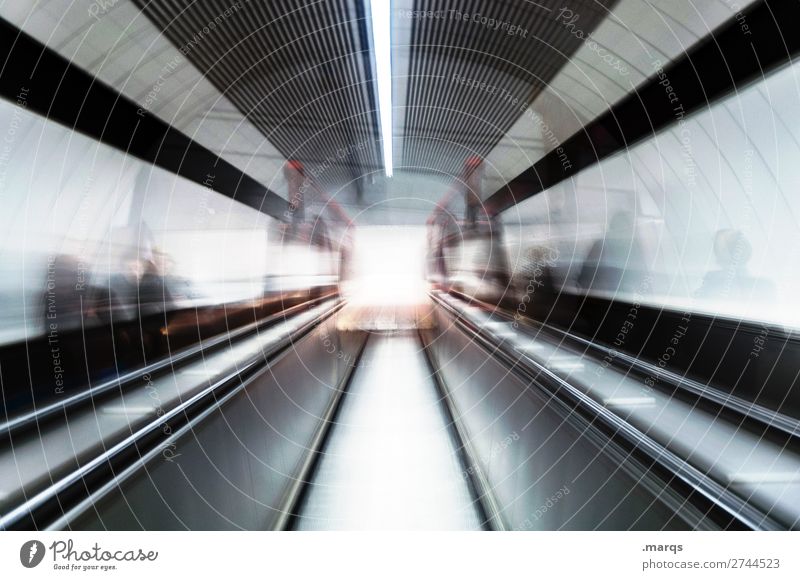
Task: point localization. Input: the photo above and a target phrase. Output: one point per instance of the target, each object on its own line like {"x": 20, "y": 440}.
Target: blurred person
{"x": 175, "y": 287}
{"x": 484, "y": 270}
{"x": 124, "y": 286}
{"x": 139, "y": 301}
{"x": 732, "y": 281}
{"x": 616, "y": 262}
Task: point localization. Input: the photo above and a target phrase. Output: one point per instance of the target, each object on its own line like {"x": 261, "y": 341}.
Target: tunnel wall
{"x": 236, "y": 468}
{"x": 544, "y": 469}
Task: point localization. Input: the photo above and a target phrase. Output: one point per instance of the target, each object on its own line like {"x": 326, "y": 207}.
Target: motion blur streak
{"x": 372, "y": 264}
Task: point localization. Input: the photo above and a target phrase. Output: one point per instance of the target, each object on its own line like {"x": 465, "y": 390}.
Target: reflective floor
{"x": 390, "y": 461}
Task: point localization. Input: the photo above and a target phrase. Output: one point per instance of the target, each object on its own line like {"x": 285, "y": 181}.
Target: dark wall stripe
{"x": 727, "y": 59}
{"x": 64, "y": 93}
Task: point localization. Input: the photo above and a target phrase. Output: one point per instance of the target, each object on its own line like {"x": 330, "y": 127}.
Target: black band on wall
{"x": 62, "y": 92}
{"x": 728, "y": 58}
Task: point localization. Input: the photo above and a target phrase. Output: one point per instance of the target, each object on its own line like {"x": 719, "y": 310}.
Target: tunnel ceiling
{"x": 300, "y": 71}
{"x": 260, "y": 82}
{"x": 444, "y": 122}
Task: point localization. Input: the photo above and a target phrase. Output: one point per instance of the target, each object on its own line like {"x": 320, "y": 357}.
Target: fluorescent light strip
{"x": 381, "y": 12}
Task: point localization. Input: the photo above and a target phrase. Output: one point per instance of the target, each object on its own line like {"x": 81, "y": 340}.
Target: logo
{"x": 31, "y": 553}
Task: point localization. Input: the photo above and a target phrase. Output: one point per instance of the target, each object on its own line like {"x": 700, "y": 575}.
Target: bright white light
{"x": 389, "y": 266}
{"x": 385, "y": 286}
{"x": 381, "y": 11}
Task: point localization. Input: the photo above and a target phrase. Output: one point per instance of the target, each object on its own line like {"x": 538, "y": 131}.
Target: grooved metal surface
{"x": 390, "y": 461}
{"x": 300, "y": 71}
{"x": 303, "y": 74}
{"x": 446, "y": 122}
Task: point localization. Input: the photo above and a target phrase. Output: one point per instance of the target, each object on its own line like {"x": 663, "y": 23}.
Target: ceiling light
{"x": 381, "y": 13}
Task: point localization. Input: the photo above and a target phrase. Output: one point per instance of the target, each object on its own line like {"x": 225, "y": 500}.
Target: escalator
{"x": 462, "y": 423}
{"x": 392, "y": 459}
